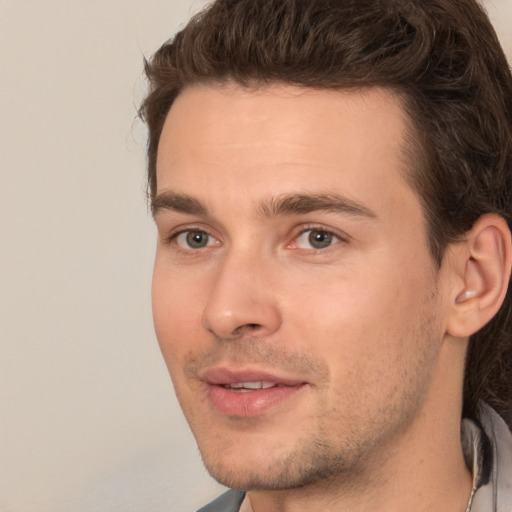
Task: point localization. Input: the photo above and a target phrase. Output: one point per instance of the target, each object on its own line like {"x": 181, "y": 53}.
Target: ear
{"x": 482, "y": 265}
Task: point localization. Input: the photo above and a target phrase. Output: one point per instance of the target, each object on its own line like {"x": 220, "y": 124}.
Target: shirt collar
{"x": 492, "y": 467}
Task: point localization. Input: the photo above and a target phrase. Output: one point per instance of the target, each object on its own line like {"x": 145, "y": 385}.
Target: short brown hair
{"x": 442, "y": 57}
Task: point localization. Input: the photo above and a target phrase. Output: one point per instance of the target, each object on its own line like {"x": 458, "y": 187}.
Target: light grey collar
{"x": 487, "y": 445}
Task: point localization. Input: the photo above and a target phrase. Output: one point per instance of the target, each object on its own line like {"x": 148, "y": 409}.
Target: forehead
{"x": 284, "y": 110}
{"x": 237, "y": 142}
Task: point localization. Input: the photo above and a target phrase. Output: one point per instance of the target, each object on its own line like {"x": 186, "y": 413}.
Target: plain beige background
{"x": 88, "y": 419}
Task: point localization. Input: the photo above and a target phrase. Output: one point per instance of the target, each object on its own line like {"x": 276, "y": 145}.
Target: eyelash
{"x": 172, "y": 239}
{"x": 336, "y": 238}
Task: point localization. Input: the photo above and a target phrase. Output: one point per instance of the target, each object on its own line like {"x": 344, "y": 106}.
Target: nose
{"x": 243, "y": 300}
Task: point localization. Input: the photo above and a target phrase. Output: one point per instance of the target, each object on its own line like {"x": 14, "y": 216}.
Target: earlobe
{"x": 484, "y": 262}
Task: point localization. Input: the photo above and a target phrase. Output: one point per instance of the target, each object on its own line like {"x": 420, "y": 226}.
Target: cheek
{"x": 363, "y": 319}
{"x": 176, "y": 314}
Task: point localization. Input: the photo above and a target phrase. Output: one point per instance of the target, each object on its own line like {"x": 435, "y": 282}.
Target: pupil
{"x": 197, "y": 239}
{"x": 320, "y": 239}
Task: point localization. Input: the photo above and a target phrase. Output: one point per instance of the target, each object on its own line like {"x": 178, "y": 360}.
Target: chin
{"x": 267, "y": 469}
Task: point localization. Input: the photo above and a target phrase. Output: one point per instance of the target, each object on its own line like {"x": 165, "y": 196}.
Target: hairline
{"x": 415, "y": 162}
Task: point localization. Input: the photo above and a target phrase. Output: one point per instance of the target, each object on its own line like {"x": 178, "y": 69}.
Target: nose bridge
{"x": 243, "y": 298}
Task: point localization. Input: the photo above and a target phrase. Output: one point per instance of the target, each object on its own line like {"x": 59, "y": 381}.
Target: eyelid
{"x": 300, "y": 231}
{"x": 172, "y": 236}
{"x": 183, "y": 242}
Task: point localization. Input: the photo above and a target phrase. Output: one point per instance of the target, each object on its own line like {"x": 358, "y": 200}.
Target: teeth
{"x": 251, "y": 385}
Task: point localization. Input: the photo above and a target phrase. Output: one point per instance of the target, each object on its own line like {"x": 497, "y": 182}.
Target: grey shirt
{"x": 487, "y": 447}
{"x": 228, "y": 502}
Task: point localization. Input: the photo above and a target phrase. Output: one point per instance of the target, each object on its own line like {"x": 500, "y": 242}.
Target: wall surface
{"x": 88, "y": 419}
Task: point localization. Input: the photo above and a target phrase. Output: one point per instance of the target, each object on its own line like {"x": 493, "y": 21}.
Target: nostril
{"x": 246, "y": 327}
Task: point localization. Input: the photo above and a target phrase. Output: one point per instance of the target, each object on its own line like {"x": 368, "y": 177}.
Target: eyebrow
{"x": 306, "y": 203}
{"x": 287, "y": 204}
{"x": 180, "y": 203}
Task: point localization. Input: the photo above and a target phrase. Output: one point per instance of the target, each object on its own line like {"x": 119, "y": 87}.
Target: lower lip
{"x": 247, "y": 404}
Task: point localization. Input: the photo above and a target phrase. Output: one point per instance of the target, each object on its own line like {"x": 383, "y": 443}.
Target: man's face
{"x": 295, "y": 300}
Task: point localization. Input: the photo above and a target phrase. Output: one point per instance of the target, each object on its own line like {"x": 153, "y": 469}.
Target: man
{"x": 331, "y": 181}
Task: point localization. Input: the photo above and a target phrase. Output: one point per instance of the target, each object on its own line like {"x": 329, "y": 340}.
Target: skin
{"x": 359, "y": 320}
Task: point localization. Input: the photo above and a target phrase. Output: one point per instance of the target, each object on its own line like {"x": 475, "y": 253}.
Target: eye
{"x": 194, "y": 239}
{"x": 316, "y": 239}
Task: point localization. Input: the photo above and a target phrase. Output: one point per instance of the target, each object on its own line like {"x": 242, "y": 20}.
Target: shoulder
{"x": 230, "y": 501}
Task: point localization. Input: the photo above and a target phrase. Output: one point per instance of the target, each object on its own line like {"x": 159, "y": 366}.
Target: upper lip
{"x": 226, "y": 376}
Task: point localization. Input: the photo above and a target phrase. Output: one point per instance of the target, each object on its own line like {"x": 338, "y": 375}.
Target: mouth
{"x": 247, "y": 387}
{"x": 246, "y": 394}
